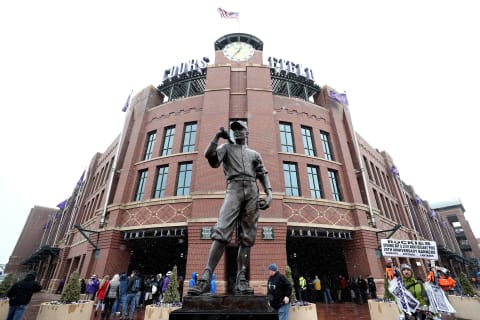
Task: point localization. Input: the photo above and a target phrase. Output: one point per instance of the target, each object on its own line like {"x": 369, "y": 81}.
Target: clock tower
{"x": 238, "y": 48}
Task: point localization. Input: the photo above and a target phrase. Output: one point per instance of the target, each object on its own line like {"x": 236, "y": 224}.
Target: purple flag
{"x": 418, "y": 200}
{"x": 228, "y": 15}
{"x": 433, "y": 214}
{"x": 339, "y": 97}
{"x": 127, "y": 103}
{"x": 395, "y": 171}
{"x": 62, "y": 204}
{"x": 80, "y": 181}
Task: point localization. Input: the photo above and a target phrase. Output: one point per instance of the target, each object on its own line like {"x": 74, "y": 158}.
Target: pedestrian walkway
{"x": 337, "y": 311}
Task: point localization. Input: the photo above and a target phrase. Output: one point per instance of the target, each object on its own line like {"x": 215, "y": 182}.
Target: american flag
{"x": 228, "y": 15}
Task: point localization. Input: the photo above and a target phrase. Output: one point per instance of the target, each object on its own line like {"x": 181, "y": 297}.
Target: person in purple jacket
{"x": 92, "y": 287}
{"x": 166, "y": 281}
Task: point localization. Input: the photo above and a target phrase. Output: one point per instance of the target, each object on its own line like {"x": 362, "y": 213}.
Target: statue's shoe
{"x": 202, "y": 287}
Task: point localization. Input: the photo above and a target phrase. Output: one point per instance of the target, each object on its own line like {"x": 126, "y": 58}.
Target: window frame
{"x": 308, "y": 141}
{"x": 162, "y": 172}
{"x": 149, "y": 145}
{"x": 327, "y": 146}
{"x": 140, "y": 185}
{"x": 190, "y": 145}
{"x": 334, "y": 185}
{"x": 168, "y": 138}
{"x": 181, "y": 182}
{"x": 293, "y": 177}
{"x": 285, "y": 136}
{"x": 316, "y": 192}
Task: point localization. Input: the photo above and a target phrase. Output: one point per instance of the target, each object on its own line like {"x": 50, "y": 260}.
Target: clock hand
{"x": 238, "y": 51}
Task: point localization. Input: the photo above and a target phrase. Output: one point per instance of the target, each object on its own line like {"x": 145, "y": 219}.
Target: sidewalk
{"x": 337, "y": 311}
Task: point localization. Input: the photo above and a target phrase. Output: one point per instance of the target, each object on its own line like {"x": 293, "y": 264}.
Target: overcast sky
{"x": 410, "y": 69}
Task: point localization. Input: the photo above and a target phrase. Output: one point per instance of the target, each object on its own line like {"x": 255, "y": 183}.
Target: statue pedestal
{"x": 224, "y": 307}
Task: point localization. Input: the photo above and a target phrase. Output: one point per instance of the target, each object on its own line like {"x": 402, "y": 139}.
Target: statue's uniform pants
{"x": 239, "y": 209}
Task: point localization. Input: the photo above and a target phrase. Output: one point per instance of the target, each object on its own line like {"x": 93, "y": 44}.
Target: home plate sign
{"x": 410, "y": 249}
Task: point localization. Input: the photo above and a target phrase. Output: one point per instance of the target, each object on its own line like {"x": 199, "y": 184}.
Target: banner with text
{"x": 410, "y": 249}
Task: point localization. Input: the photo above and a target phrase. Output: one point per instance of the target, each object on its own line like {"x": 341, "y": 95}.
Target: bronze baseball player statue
{"x": 242, "y": 167}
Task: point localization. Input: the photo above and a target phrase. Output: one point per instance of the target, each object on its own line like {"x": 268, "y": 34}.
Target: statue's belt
{"x": 240, "y": 177}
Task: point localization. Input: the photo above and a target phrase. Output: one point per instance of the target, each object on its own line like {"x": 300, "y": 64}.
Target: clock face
{"x": 238, "y": 51}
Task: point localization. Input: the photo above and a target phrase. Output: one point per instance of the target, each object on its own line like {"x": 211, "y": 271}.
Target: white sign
{"x": 410, "y": 249}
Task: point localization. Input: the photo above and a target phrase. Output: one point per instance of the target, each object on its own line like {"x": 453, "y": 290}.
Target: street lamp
{"x": 378, "y": 252}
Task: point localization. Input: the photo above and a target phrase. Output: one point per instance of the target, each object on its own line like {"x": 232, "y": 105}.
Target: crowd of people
{"x": 121, "y": 295}
{"x": 334, "y": 288}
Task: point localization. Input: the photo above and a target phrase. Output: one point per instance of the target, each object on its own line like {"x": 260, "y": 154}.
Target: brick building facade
{"x": 334, "y": 194}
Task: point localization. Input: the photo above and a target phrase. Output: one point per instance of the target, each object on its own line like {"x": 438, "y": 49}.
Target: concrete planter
{"x": 383, "y": 310}
{"x": 158, "y": 313}
{"x": 307, "y": 312}
{"x": 73, "y": 311}
{"x": 465, "y": 307}
{"x": 3, "y": 308}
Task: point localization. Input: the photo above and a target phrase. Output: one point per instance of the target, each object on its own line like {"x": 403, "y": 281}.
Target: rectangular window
{"x": 377, "y": 201}
{"x": 184, "y": 179}
{"x": 374, "y": 170}
{"x": 168, "y": 141}
{"x": 142, "y": 180}
{"x": 291, "y": 179}
{"x": 307, "y": 138}
{"x": 189, "y": 136}
{"x": 365, "y": 163}
{"x": 333, "y": 177}
{"x": 286, "y": 137}
{"x": 161, "y": 182}
{"x": 380, "y": 177}
{"x": 151, "y": 137}
{"x": 314, "y": 181}
{"x": 327, "y": 148}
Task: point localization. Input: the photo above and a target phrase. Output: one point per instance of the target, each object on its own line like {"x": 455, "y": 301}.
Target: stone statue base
{"x": 214, "y": 307}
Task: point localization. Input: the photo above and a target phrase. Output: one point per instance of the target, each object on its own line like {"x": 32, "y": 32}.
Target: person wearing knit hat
{"x": 416, "y": 288}
{"x": 273, "y": 267}
{"x": 279, "y": 290}
{"x": 405, "y": 266}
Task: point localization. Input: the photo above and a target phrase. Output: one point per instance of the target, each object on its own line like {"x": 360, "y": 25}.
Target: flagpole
{"x": 114, "y": 166}
{"x": 43, "y": 236}
{"x": 60, "y": 223}
{"x": 75, "y": 205}
{"x": 49, "y": 232}
{"x": 58, "y": 228}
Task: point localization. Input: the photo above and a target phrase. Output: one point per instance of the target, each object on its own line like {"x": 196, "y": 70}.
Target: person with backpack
{"x": 20, "y": 294}
{"x": 133, "y": 287}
